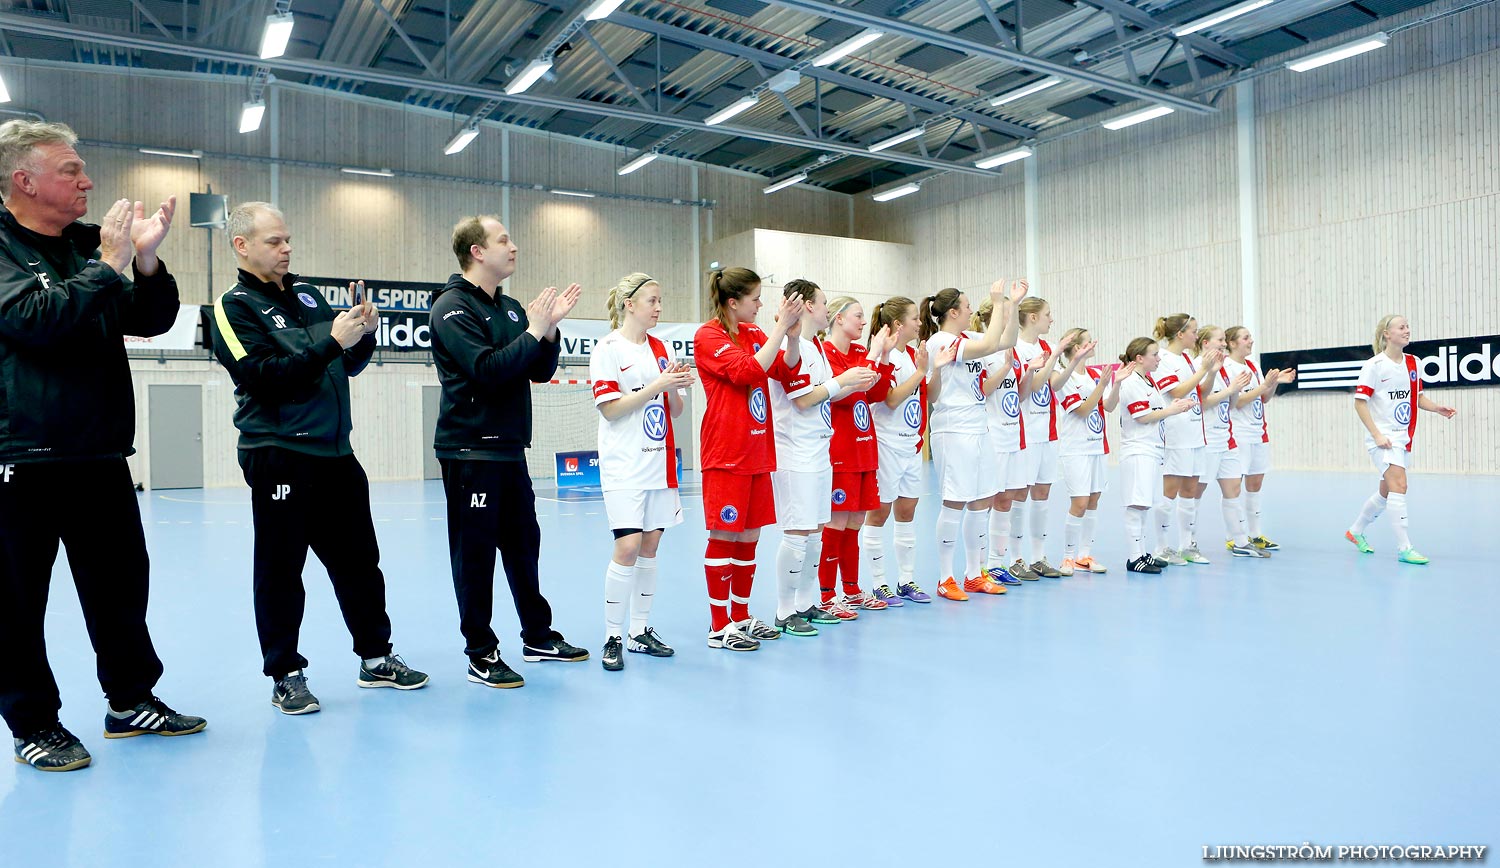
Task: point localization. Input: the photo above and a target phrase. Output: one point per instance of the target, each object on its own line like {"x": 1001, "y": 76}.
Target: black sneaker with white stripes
{"x": 391, "y": 671}
{"x": 649, "y": 643}
{"x": 52, "y": 750}
{"x": 614, "y": 654}
{"x": 292, "y": 696}
{"x": 553, "y": 649}
{"x": 151, "y": 717}
{"x": 491, "y": 671}
{"x": 1143, "y": 564}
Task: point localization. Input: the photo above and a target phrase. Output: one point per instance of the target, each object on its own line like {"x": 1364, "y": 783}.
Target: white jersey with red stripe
{"x": 1249, "y": 420}
{"x": 1139, "y": 396}
{"x": 900, "y": 428}
{"x": 802, "y": 436}
{"x": 1040, "y": 409}
{"x": 1082, "y": 435}
{"x": 1218, "y": 420}
{"x": 960, "y": 404}
{"x": 1185, "y": 430}
{"x": 638, "y": 449}
{"x": 1391, "y": 390}
{"x": 1003, "y": 406}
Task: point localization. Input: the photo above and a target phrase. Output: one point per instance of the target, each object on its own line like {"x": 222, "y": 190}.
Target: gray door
{"x": 430, "y": 397}
{"x": 176, "y": 422}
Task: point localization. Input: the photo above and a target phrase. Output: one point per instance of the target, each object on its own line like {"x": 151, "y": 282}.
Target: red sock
{"x": 849, "y": 560}
{"x": 717, "y": 567}
{"x": 743, "y": 580}
{"x": 828, "y": 568}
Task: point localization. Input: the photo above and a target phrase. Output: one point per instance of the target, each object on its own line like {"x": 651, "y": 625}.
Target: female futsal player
{"x": 1249, "y": 417}
{"x": 1143, "y": 412}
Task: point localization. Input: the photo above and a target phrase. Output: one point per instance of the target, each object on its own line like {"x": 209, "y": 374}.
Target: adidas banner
{"x": 1445, "y": 364}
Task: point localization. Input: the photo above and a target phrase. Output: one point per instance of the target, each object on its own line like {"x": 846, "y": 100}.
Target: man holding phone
{"x": 291, "y": 358}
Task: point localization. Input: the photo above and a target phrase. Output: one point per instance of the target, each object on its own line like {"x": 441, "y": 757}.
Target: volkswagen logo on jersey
{"x": 758, "y": 405}
{"x": 1403, "y": 413}
{"x": 1224, "y": 412}
{"x": 912, "y": 413}
{"x": 1010, "y": 404}
{"x": 1161, "y": 430}
{"x": 1197, "y": 405}
{"x": 655, "y": 422}
{"x": 306, "y": 299}
{"x": 827, "y": 414}
{"x": 978, "y": 390}
{"x": 1096, "y": 422}
{"x": 839, "y": 497}
{"x": 862, "y": 415}
{"x": 1042, "y": 398}
{"x": 1257, "y": 410}
{"x": 729, "y": 515}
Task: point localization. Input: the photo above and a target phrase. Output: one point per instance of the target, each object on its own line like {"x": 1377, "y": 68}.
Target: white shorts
{"x": 1384, "y": 458}
{"x": 965, "y": 466}
{"x": 1140, "y": 480}
{"x": 1041, "y": 462}
{"x": 1220, "y": 465}
{"x": 1084, "y": 474}
{"x": 802, "y": 498}
{"x": 1183, "y": 462}
{"x": 899, "y": 474}
{"x": 643, "y": 508}
{"x": 1256, "y": 457}
{"x": 1010, "y": 470}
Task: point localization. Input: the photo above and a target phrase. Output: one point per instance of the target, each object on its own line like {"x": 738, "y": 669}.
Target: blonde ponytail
{"x": 622, "y": 292}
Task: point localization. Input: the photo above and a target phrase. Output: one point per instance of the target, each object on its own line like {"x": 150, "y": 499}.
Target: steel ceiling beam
{"x": 62, "y": 30}
{"x": 1140, "y": 17}
{"x": 953, "y": 42}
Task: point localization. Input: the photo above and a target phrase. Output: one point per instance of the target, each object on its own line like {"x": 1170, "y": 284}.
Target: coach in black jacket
{"x": 489, "y": 350}
{"x": 67, "y": 422}
{"x": 291, "y": 359}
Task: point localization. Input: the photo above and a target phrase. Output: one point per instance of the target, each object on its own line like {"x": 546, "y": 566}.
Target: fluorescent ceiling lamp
{"x": 251, "y": 114}
{"x": 1343, "y": 52}
{"x": 897, "y": 192}
{"x": 786, "y": 182}
{"x": 278, "y": 33}
{"x": 4, "y": 91}
{"x": 1028, "y": 90}
{"x": 638, "y": 162}
{"x": 379, "y": 173}
{"x": 163, "y": 152}
{"x": 847, "y": 47}
{"x": 1139, "y": 117}
{"x": 602, "y": 8}
{"x": 1219, "y": 17}
{"x": 743, "y": 104}
{"x": 461, "y": 140}
{"x": 529, "y": 75}
{"x": 1001, "y": 159}
{"x": 896, "y": 139}
{"x": 579, "y": 193}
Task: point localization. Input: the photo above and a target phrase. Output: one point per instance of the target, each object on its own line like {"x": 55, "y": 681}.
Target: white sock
{"x": 999, "y": 537}
{"x": 976, "y": 526}
{"x": 1372, "y": 510}
{"x": 872, "y": 553}
{"x": 371, "y": 662}
{"x": 1038, "y": 530}
{"x": 1252, "y": 509}
{"x": 1234, "y": 520}
{"x": 1187, "y": 522}
{"x": 906, "y": 551}
{"x": 1072, "y": 531}
{"x": 790, "y": 556}
{"x": 645, "y": 595}
{"x": 1398, "y": 519}
{"x": 947, "y": 539}
{"x": 1135, "y": 531}
{"x": 1166, "y": 508}
{"x": 1017, "y": 527}
{"x": 618, "y": 582}
{"x": 1090, "y": 525}
{"x": 807, "y": 586}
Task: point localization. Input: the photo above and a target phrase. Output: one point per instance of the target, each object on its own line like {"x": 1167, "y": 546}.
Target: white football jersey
{"x": 802, "y": 436}
{"x": 1185, "y": 430}
{"x": 637, "y": 450}
{"x": 1249, "y": 420}
{"x": 1081, "y": 435}
{"x": 1218, "y": 420}
{"x": 960, "y": 404}
{"x": 900, "y": 428}
{"x": 1391, "y": 389}
{"x": 1040, "y": 407}
{"x": 1139, "y": 396}
{"x": 1003, "y": 406}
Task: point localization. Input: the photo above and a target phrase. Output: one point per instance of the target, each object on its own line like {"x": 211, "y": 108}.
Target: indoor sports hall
{"x": 1071, "y": 428}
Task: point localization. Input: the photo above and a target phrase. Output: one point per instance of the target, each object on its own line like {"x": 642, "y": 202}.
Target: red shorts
{"x": 735, "y": 502}
{"x": 855, "y": 492}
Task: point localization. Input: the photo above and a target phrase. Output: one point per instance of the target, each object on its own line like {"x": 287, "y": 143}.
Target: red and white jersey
{"x": 1185, "y": 430}
{"x": 1003, "y": 407}
{"x": 1040, "y": 409}
{"x": 1082, "y": 435}
{"x": 960, "y": 403}
{"x": 854, "y": 449}
{"x": 1391, "y": 389}
{"x": 1218, "y": 420}
{"x": 1250, "y": 420}
{"x": 1139, "y": 396}
{"x": 736, "y": 430}
{"x": 637, "y": 450}
{"x": 802, "y": 436}
{"x": 901, "y": 428}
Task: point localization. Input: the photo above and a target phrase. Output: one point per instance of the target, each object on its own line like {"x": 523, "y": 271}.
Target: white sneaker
{"x": 757, "y": 629}
{"x": 1170, "y": 556}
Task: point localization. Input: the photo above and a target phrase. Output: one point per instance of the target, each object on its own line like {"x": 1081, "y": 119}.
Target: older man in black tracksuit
{"x": 67, "y": 422}
{"x": 489, "y": 349}
{"x": 291, "y": 359}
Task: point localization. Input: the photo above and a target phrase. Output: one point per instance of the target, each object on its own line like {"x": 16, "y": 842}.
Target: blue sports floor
{"x": 1320, "y": 696}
